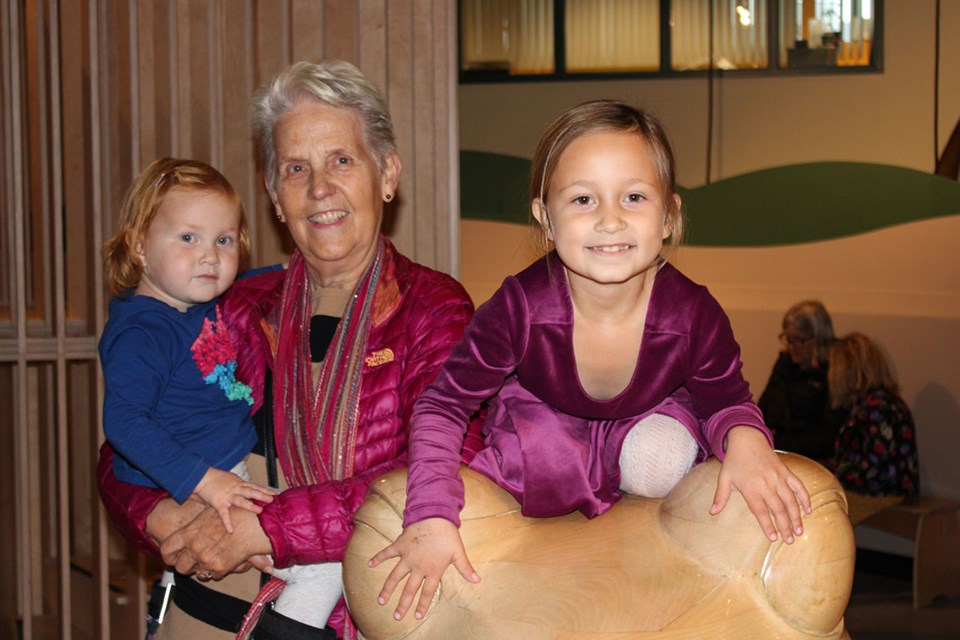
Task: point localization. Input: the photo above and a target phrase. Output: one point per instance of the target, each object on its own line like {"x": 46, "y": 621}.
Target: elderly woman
{"x": 337, "y": 347}
{"x": 796, "y": 401}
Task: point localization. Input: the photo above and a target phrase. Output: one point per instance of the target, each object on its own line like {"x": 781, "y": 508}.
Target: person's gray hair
{"x": 333, "y": 82}
{"x": 810, "y": 318}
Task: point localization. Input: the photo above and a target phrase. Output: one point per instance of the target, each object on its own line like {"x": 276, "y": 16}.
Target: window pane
{"x": 739, "y": 34}
{"x": 826, "y": 33}
{"x": 612, "y": 35}
{"x": 512, "y": 36}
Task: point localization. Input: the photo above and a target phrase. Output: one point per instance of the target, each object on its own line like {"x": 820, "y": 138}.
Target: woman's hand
{"x": 168, "y": 517}
{"x": 204, "y": 545}
{"x": 425, "y": 550}
{"x": 770, "y": 489}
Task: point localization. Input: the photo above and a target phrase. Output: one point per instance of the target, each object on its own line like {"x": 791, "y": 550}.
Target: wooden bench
{"x": 933, "y": 524}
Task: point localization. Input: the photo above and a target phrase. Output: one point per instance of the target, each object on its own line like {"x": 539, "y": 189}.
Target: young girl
{"x": 604, "y": 368}
{"x": 173, "y": 409}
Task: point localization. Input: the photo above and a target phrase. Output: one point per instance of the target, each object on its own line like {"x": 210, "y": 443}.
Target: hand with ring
{"x": 203, "y": 576}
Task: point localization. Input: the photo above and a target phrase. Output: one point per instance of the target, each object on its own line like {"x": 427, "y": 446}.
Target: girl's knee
{"x": 657, "y": 452}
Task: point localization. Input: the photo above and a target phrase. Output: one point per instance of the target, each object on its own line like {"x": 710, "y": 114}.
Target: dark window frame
{"x": 665, "y": 71}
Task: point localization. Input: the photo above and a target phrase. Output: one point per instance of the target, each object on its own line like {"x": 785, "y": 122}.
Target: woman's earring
{"x": 280, "y": 217}
{"x": 388, "y": 197}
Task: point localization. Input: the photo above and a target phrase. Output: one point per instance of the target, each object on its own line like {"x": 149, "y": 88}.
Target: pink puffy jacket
{"x": 420, "y": 314}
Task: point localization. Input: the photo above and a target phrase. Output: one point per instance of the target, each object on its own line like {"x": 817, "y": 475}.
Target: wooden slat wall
{"x": 93, "y": 90}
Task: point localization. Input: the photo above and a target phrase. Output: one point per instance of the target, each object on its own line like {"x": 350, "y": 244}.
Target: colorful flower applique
{"x": 216, "y": 358}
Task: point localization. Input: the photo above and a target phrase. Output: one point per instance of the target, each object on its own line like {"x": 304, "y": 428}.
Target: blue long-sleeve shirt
{"x": 167, "y": 423}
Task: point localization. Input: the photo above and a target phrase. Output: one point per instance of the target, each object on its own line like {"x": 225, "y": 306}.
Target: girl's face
{"x": 606, "y": 214}
{"x": 190, "y": 252}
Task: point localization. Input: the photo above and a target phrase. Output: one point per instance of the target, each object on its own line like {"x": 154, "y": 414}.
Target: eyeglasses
{"x": 794, "y": 341}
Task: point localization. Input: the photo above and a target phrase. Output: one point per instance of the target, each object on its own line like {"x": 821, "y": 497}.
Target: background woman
{"x": 336, "y": 348}
{"x": 876, "y": 449}
{"x": 796, "y": 401}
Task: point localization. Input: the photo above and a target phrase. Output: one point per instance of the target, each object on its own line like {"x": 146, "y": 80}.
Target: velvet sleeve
{"x": 312, "y": 524}
{"x": 488, "y": 353}
{"x": 720, "y": 393}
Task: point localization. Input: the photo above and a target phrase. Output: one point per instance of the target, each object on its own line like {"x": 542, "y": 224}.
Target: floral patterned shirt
{"x": 876, "y": 448}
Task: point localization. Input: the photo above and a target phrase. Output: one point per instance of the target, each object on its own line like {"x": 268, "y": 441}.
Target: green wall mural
{"x": 783, "y": 205}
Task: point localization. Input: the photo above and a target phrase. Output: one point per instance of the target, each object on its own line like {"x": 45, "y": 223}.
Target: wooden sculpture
{"x": 660, "y": 569}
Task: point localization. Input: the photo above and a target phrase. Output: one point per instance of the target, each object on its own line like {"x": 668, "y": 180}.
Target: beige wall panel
{"x": 424, "y": 117}
{"x": 157, "y": 82}
{"x": 446, "y": 142}
{"x": 400, "y": 91}
{"x": 236, "y": 85}
{"x": 198, "y": 76}
{"x": 75, "y": 169}
{"x": 372, "y": 50}
{"x": 306, "y": 29}
{"x": 147, "y": 24}
{"x": 340, "y": 26}
{"x": 271, "y": 53}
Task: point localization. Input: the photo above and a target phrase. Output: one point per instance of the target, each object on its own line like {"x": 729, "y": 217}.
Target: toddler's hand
{"x": 770, "y": 489}
{"x": 222, "y": 489}
{"x": 425, "y": 549}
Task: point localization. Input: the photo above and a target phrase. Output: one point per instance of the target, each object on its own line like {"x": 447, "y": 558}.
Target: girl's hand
{"x": 425, "y": 549}
{"x": 770, "y": 489}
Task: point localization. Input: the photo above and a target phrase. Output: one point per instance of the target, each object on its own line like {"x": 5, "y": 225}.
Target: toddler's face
{"x": 190, "y": 253}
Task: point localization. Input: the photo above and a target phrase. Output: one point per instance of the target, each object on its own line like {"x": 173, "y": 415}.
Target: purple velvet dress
{"x": 551, "y": 445}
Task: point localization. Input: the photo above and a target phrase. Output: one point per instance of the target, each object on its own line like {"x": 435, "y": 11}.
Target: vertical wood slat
{"x": 52, "y": 154}
{"x": 340, "y": 30}
{"x": 95, "y": 176}
{"x": 447, "y": 150}
{"x": 20, "y": 437}
{"x": 423, "y": 230}
{"x": 308, "y": 19}
{"x": 399, "y": 92}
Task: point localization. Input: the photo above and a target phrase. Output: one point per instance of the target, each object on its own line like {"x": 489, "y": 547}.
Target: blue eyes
{"x": 222, "y": 241}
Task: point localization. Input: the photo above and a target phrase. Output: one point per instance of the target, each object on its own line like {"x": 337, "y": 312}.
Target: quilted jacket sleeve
{"x": 312, "y": 524}
{"x": 128, "y": 505}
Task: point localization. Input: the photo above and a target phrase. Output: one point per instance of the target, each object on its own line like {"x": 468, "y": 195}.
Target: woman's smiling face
{"x": 330, "y": 190}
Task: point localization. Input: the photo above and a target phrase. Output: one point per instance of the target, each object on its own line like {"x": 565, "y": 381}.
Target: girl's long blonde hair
{"x": 857, "y": 364}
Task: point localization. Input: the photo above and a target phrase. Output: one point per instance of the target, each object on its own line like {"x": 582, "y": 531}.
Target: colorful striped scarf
{"x": 316, "y": 426}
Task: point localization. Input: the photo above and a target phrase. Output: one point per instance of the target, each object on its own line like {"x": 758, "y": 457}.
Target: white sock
{"x": 312, "y": 592}
{"x": 656, "y": 453}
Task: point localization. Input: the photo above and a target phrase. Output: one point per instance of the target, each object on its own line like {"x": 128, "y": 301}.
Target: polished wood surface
{"x": 646, "y": 569}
